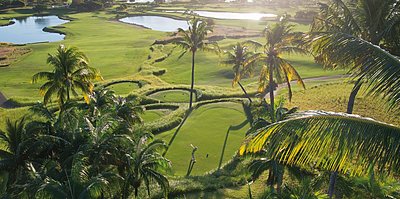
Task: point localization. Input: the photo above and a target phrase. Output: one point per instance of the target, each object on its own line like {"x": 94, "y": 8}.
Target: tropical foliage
{"x": 191, "y": 41}
{"x": 71, "y": 73}
{"x": 237, "y": 59}
{"x": 276, "y": 69}
{"x": 346, "y": 143}
{"x": 358, "y": 35}
{"x": 95, "y": 150}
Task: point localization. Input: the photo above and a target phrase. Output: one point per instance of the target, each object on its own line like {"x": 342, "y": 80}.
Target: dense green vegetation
{"x": 130, "y": 115}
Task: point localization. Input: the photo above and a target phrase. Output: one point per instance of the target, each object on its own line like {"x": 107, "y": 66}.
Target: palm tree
{"x": 192, "y": 40}
{"x": 349, "y": 35}
{"x": 237, "y": 59}
{"x": 71, "y": 72}
{"x": 144, "y": 165}
{"x": 280, "y": 39}
{"x": 346, "y": 143}
{"x": 14, "y": 158}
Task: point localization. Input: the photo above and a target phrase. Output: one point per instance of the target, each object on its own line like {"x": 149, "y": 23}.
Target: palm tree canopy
{"x": 194, "y": 38}
{"x": 71, "y": 72}
{"x": 331, "y": 141}
{"x": 380, "y": 68}
{"x": 237, "y": 59}
{"x": 280, "y": 39}
{"x": 354, "y": 35}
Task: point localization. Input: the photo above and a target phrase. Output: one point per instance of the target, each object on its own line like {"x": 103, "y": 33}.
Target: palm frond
{"x": 380, "y": 68}
{"x": 331, "y": 141}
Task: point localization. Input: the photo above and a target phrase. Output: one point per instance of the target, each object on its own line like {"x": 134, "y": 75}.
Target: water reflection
{"x": 30, "y": 30}
{"x": 158, "y": 23}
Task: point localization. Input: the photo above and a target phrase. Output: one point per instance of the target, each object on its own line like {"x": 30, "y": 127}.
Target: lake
{"x": 231, "y": 15}
{"x": 30, "y": 30}
{"x": 158, "y": 23}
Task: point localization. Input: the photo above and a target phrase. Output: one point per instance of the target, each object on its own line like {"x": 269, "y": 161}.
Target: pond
{"x": 158, "y": 23}
{"x": 30, "y": 30}
{"x": 231, "y": 15}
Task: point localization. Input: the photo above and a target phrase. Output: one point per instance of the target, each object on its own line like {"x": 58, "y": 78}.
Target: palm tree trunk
{"x": 244, "y": 91}
{"x": 353, "y": 94}
{"x": 350, "y": 107}
{"x": 136, "y": 192}
{"x": 271, "y": 92}
{"x": 68, "y": 93}
{"x": 192, "y": 83}
{"x": 332, "y": 182}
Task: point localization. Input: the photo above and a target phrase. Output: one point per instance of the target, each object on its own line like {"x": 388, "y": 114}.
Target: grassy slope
{"x": 334, "y": 97}
{"x": 116, "y": 49}
{"x": 206, "y": 128}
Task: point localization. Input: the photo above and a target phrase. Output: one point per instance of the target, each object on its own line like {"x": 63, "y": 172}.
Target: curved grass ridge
{"x": 331, "y": 141}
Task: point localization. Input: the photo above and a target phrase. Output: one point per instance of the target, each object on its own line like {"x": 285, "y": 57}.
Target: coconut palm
{"x": 144, "y": 165}
{"x": 71, "y": 72}
{"x": 280, "y": 40}
{"x": 346, "y": 143}
{"x": 350, "y": 34}
{"x": 237, "y": 59}
{"x": 192, "y": 40}
{"x": 14, "y": 158}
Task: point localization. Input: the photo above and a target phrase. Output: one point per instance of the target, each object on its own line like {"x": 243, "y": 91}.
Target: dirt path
{"x": 2, "y": 99}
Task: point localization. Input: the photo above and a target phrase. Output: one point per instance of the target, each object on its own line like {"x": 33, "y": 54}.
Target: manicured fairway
{"x": 206, "y": 128}
{"x": 116, "y": 49}
{"x": 172, "y": 96}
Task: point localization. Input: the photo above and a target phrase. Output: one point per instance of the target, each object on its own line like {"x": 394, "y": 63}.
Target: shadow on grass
{"x": 177, "y": 130}
{"x": 233, "y": 128}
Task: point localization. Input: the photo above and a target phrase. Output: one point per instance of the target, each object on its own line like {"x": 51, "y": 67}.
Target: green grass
{"x": 152, "y": 115}
{"x": 206, "y": 128}
{"x": 116, "y": 49}
{"x": 12, "y": 114}
{"x": 123, "y": 88}
{"x": 172, "y": 96}
{"x": 334, "y": 97}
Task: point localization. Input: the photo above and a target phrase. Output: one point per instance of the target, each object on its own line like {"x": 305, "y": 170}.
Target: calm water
{"x": 30, "y": 30}
{"x": 231, "y": 15}
{"x": 164, "y": 24}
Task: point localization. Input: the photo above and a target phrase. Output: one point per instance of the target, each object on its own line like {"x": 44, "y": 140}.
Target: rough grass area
{"x": 10, "y": 54}
{"x": 334, "y": 97}
{"x": 206, "y": 128}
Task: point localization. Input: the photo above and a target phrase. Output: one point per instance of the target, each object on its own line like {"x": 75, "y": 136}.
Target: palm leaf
{"x": 331, "y": 141}
{"x": 381, "y": 69}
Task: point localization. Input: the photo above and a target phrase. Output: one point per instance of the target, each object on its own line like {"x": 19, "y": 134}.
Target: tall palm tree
{"x": 237, "y": 59}
{"x": 192, "y": 40}
{"x": 71, "y": 72}
{"x": 144, "y": 165}
{"x": 351, "y": 34}
{"x": 346, "y": 143}
{"x": 348, "y": 34}
{"x": 280, "y": 39}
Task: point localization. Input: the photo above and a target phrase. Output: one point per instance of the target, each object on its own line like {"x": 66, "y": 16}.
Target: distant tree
{"x": 237, "y": 59}
{"x": 280, "y": 39}
{"x": 71, "y": 72}
{"x": 192, "y": 40}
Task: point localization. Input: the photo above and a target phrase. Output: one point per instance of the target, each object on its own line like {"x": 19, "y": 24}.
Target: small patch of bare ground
{"x": 10, "y": 53}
